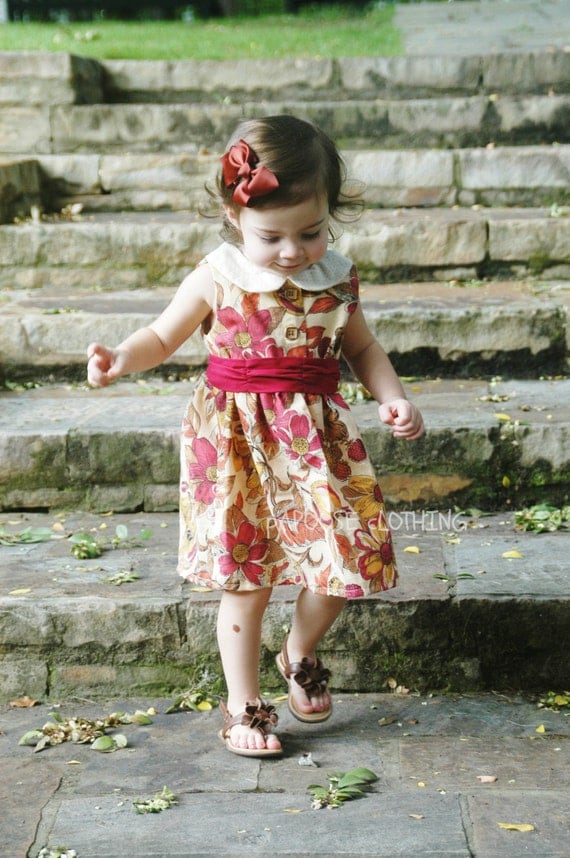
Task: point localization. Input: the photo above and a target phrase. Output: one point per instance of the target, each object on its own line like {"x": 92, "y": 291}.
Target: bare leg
{"x": 314, "y": 615}
{"x": 239, "y": 639}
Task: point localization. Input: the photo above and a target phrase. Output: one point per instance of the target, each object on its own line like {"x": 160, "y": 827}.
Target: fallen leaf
{"x": 516, "y": 826}
{"x": 21, "y": 592}
{"x": 383, "y": 722}
{"x": 500, "y": 415}
{"x": 412, "y": 549}
{"x": 421, "y": 784}
{"x": 513, "y": 554}
{"x": 292, "y": 810}
{"x": 486, "y": 779}
{"x": 416, "y": 815}
{"x": 540, "y": 729}
{"x": 24, "y": 702}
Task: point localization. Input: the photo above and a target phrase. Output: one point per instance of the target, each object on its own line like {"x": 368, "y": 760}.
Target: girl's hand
{"x": 404, "y": 418}
{"x": 104, "y": 365}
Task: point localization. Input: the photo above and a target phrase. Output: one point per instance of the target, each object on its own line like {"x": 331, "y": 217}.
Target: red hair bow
{"x": 241, "y": 173}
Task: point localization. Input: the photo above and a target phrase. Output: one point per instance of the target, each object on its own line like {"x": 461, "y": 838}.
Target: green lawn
{"x": 326, "y": 33}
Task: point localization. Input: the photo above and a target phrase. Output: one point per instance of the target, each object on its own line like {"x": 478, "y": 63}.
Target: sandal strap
{"x": 309, "y": 673}
{"x": 258, "y": 715}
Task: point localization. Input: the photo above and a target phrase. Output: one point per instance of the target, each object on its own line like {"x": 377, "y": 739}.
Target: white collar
{"x": 333, "y": 268}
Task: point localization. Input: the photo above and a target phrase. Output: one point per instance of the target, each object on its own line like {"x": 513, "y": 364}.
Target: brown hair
{"x": 305, "y": 161}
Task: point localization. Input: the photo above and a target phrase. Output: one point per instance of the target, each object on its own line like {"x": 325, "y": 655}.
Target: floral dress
{"x": 277, "y": 488}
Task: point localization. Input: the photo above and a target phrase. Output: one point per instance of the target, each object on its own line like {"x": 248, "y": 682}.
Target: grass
{"x": 332, "y": 32}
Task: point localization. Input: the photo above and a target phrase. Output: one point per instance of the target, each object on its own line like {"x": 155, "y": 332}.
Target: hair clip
{"x": 243, "y": 172}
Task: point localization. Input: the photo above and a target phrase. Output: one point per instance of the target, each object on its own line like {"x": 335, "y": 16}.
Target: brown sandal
{"x": 310, "y": 674}
{"x": 260, "y": 716}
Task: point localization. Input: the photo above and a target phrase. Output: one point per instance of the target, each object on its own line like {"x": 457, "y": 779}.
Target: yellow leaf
{"x": 513, "y": 554}
{"x": 292, "y": 810}
{"x": 412, "y": 549}
{"x": 500, "y": 415}
{"x": 204, "y": 706}
{"x": 540, "y": 729}
{"x": 21, "y": 592}
{"x": 506, "y": 482}
{"x": 516, "y": 826}
{"x": 421, "y": 784}
{"x": 24, "y": 702}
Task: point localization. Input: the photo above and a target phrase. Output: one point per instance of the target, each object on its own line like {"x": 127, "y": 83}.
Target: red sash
{"x": 274, "y": 375}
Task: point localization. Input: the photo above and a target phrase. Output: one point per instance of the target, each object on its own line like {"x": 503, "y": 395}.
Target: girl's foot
{"x": 309, "y": 698}
{"x": 249, "y": 732}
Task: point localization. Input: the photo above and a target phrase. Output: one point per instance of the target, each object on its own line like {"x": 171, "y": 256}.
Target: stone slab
{"x": 517, "y": 326}
{"x": 442, "y": 742}
{"x": 65, "y": 625}
{"x": 154, "y": 249}
{"x": 511, "y": 175}
{"x": 432, "y": 122}
{"x": 487, "y": 27}
{"x": 58, "y": 439}
{"x": 34, "y": 77}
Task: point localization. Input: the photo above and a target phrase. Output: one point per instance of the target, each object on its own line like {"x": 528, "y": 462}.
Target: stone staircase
{"x": 464, "y": 257}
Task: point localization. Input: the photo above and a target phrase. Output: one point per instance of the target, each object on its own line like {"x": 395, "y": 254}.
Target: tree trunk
{"x": 3, "y": 11}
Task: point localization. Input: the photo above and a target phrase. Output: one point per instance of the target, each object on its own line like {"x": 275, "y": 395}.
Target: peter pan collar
{"x": 333, "y": 268}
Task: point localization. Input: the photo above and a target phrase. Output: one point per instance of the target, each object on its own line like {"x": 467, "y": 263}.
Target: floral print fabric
{"x": 277, "y": 488}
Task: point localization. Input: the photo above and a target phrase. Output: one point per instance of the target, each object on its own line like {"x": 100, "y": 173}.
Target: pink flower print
{"x": 243, "y": 548}
{"x": 301, "y": 442}
{"x": 204, "y": 470}
{"x": 353, "y": 591}
{"x": 246, "y": 336}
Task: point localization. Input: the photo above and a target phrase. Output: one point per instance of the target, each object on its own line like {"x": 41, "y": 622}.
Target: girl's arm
{"x": 372, "y": 366}
{"x": 149, "y": 347}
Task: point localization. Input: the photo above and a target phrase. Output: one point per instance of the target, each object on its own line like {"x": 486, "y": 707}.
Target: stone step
{"x": 464, "y": 617}
{"x": 504, "y": 176}
{"x": 443, "y": 121}
{"x": 488, "y": 444}
{"x": 37, "y": 78}
{"x": 146, "y": 250}
{"x": 519, "y": 328}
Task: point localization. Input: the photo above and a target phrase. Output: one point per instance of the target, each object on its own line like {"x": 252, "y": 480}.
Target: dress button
{"x": 291, "y": 293}
{"x": 292, "y": 333}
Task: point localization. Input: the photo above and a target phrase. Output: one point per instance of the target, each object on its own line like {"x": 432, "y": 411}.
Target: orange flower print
{"x": 375, "y": 561}
{"x": 244, "y": 549}
{"x": 365, "y": 495}
{"x": 299, "y": 527}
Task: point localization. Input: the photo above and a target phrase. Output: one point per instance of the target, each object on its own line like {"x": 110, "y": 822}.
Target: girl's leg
{"x": 314, "y": 615}
{"x": 239, "y": 640}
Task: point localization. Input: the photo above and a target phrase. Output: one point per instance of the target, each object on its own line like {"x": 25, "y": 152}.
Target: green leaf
{"x": 122, "y": 532}
{"x": 31, "y": 737}
{"x": 105, "y": 744}
{"x": 140, "y": 718}
{"x": 27, "y": 536}
{"x": 364, "y": 775}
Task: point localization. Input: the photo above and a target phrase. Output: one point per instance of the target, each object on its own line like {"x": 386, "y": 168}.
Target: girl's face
{"x": 286, "y": 239}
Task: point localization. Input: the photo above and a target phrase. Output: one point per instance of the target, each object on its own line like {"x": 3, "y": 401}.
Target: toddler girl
{"x": 276, "y": 486}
